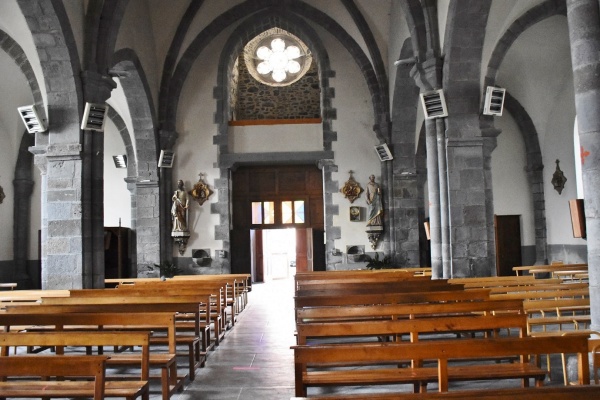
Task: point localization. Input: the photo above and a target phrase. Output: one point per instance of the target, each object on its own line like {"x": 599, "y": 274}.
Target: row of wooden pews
{"x": 388, "y": 327}
{"x": 185, "y": 317}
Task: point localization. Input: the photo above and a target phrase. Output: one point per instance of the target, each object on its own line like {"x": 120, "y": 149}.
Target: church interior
{"x": 325, "y": 147}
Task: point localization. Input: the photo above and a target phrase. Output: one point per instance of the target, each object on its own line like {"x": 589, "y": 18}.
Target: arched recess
{"x": 144, "y": 183}
{"x": 535, "y": 167}
{"x": 405, "y": 180}
{"x": 293, "y": 12}
{"x": 249, "y": 29}
{"x": 23, "y": 178}
{"x": 58, "y": 152}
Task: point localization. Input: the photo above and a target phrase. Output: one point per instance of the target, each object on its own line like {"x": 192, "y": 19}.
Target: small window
{"x": 287, "y": 212}
{"x": 263, "y": 212}
{"x": 299, "y": 212}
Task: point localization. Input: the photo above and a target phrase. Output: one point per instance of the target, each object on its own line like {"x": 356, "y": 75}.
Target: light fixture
{"x": 166, "y": 159}
{"x": 94, "y": 116}
{"x": 278, "y": 60}
{"x": 31, "y": 119}
{"x": 120, "y": 161}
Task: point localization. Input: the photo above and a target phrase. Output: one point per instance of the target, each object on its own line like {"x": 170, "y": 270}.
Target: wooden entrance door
{"x": 508, "y": 243}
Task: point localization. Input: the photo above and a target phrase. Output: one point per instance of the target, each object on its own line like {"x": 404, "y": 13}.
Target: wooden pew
{"x": 352, "y": 288}
{"x": 197, "y": 344}
{"x": 167, "y": 362}
{"x": 60, "y": 366}
{"x": 415, "y": 328}
{"x": 216, "y": 300}
{"x": 333, "y": 300}
{"x": 218, "y": 287}
{"x": 405, "y": 310}
{"x": 582, "y": 392}
{"x": 130, "y": 388}
{"x": 444, "y": 351}
{"x": 548, "y": 268}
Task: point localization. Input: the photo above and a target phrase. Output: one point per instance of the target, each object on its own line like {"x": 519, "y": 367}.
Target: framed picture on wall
{"x": 354, "y": 213}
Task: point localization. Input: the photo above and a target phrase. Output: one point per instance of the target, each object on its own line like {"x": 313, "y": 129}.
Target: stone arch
{"x": 58, "y": 152}
{"x": 547, "y": 9}
{"x": 230, "y": 17}
{"x": 144, "y": 181}
{"x": 535, "y": 167}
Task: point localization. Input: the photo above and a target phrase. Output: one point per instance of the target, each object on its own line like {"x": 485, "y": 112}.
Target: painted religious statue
{"x": 179, "y": 212}
{"x": 374, "y": 211}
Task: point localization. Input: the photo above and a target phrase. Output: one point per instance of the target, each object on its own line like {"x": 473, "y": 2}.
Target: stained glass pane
{"x": 269, "y": 208}
{"x": 286, "y": 212}
{"x": 299, "y": 211}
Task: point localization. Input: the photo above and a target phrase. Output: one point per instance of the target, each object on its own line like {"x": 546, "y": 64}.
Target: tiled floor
{"x": 254, "y": 361}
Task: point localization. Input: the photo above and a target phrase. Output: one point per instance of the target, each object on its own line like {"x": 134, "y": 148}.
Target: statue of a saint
{"x": 374, "y": 205}
{"x": 179, "y": 208}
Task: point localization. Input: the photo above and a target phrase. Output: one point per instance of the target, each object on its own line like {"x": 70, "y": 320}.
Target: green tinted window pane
{"x": 269, "y": 208}
{"x": 286, "y": 212}
{"x": 256, "y": 212}
{"x": 299, "y": 211}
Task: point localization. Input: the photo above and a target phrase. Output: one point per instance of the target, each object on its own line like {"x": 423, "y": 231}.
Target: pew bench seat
{"x": 583, "y": 392}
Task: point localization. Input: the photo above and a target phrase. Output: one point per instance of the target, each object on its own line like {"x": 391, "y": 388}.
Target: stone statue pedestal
{"x": 374, "y": 233}
{"x": 181, "y": 238}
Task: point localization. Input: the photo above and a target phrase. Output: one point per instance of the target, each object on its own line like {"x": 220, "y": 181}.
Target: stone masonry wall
{"x": 256, "y": 100}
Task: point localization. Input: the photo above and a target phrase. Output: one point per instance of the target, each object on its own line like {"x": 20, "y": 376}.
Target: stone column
{"x": 433, "y": 186}
{"x": 62, "y": 248}
{"x": 147, "y": 231}
{"x": 469, "y": 181}
{"x": 444, "y": 204}
{"x": 96, "y": 89}
{"x": 584, "y": 33}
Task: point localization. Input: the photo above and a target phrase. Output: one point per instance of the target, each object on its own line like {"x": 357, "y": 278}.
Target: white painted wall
{"x": 11, "y": 132}
{"x": 541, "y": 55}
{"x": 510, "y": 186}
{"x": 276, "y": 138}
{"x": 195, "y": 151}
{"x": 117, "y": 198}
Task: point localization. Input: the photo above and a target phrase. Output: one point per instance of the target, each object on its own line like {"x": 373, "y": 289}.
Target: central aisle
{"x": 254, "y": 361}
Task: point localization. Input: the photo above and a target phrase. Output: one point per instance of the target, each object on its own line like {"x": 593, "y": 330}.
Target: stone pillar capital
{"x": 96, "y": 87}
{"x": 167, "y": 138}
{"x": 428, "y": 74}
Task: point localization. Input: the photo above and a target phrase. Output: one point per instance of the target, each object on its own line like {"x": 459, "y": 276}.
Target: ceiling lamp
{"x": 278, "y": 60}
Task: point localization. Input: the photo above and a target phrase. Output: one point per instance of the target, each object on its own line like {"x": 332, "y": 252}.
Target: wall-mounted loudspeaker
{"x": 494, "y": 101}
{"x": 384, "y": 153}
{"x": 94, "y": 116}
{"x": 577, "y": 218}
{"x": 166, "y": 159}
{"x": 434, "y": 104}
{"x": 31, "y": 119}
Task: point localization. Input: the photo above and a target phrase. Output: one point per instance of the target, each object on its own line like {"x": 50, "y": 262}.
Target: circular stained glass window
{"x": 277, "y": 58}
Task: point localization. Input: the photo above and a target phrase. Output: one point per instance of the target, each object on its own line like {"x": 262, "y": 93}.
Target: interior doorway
{"x": 280, "y": 253}
{"x": 278, "y": 201}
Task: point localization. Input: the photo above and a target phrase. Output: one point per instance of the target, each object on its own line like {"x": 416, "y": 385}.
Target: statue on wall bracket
{"x": 558, "y": 179}
{"x": 200, "y": 192}
{"x": 351, "y": 189}
{"x": 374, "y": 212}
{"x": 179, "y": 212}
